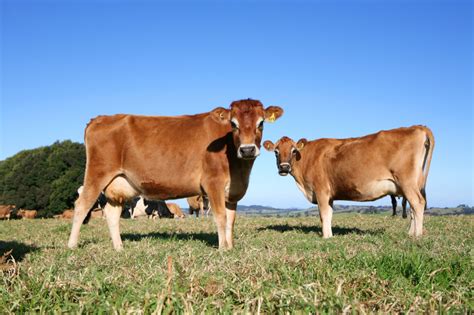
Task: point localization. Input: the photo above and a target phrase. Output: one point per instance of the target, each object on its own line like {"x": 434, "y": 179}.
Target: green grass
{"x": 278, "y": 265}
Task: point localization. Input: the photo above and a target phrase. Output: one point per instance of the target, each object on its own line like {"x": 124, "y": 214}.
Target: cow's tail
{"x": 429, "y": 147}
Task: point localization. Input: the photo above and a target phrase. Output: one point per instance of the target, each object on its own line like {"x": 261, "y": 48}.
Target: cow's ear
{"x": 272, "y": 113}
{"x": 220, "y": 114}
{"x": 269, "y": 146}
{"x": 301, "y": 144}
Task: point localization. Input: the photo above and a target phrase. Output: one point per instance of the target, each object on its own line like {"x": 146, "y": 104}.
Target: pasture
{"x": 278, "y": 265}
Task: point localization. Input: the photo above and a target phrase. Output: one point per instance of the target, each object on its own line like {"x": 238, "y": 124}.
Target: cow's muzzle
{"x": 248, "y": 151}
{"x": 284, "y": 169}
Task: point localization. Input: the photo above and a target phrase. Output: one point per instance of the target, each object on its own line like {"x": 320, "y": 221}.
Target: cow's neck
{"x": 297, "y": 173}
{"x": 239, "y": 170}
{"x": 300, "y": 181}
{"x": 242, "y": 168}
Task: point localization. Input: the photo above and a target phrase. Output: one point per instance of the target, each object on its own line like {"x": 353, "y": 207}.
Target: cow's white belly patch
{"x": 380, "y": 188}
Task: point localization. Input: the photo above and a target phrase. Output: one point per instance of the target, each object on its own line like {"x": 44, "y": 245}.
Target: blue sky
{"x": 338, "y": 68}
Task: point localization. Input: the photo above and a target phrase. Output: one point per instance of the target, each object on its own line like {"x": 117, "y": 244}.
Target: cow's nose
{"x": 284, "y": 169}
{"x": 248, "y": 151}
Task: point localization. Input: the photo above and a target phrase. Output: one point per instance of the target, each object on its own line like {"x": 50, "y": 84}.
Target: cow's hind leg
{"x": 423, "y": 193}
{"x": 112, "y": 213}
{"x": 404, "y": 207}
{"x": 117, "y": 193}
{"x": 394, "y": 205}
{"x": 417, "y": 203}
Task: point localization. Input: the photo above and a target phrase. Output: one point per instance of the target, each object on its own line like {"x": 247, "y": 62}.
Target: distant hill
{"x": 259, "y": 210}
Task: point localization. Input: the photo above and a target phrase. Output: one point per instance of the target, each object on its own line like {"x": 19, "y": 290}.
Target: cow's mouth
{"x": 248, "y": 152}
{"x": 284, "y": 169}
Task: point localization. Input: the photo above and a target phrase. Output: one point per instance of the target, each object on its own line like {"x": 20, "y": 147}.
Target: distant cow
{"x": 175, "y": 210}
{"x": 394, "y": 206}
{"x": 138, "y": 208}
{"x": 67, "y": 214}
{"x": 6, "y": 211}
{"x": 164, "y": 158}
{"x": 158, "y": 209}
{"x": 96, "y": 213}
{"x": 27, "y": 214}
{"x": 198, "y": 204}
{"x": 152, "y": 209}
{"x": 393, "y": 162}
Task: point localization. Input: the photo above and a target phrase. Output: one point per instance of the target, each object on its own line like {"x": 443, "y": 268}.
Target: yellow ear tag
{"x": 272, "y": 118}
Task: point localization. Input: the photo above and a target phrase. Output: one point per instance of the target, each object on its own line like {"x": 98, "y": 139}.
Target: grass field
{"x": 278, "y": 265}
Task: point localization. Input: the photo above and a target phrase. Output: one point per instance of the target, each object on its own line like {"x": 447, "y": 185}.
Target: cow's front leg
{"x": 231, "y": 209}
{"x": 325, "y": 214}
{"x": 217, "y": 200}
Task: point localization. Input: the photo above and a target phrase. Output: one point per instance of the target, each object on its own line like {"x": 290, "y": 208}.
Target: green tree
{"x": 45, "y": 179}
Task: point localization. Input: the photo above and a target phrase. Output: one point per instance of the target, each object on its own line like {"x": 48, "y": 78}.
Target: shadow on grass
{"x": 209, "y": 238}
{"x": 337, "y": 230}
{"x": 19, "y": 249}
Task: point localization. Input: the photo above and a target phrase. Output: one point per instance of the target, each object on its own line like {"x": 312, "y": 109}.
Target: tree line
{"x": 45, "y": 179}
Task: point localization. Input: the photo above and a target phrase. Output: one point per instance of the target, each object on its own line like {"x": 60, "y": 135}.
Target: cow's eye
{"x": 277, "y": 152}
{"x": 293, "y": 151}
{"x": 260, "y": 125}
{"x": 234, "y": 125}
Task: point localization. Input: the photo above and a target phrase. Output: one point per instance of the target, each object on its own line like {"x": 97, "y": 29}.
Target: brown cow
{"x": 153, "y": 156}
{"x": 27, "y": 214}
{"x": 67, "y": 214}
{"x": 198, "y": 204}
{"x": 6, "y": 211}
{"x": 175, "y": 210}
{"x": 393, "y": 162}
{"x": 97, "y": 213}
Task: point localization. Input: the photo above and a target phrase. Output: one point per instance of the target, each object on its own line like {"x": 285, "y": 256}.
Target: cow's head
{"x": 286, "y": 152}
{"x": 246, "y": 118}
